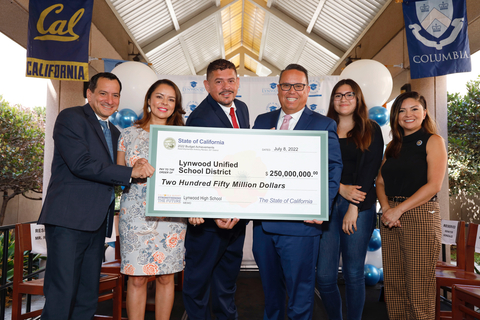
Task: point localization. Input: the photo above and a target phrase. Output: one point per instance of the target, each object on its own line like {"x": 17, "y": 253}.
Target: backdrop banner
{"x": 437, "y": 37}
{"x": 259, "y": 93}
{"x": 58, "y": 36}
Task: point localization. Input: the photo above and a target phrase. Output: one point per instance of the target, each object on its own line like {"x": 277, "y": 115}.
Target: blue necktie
{"x": 108, "y": 136}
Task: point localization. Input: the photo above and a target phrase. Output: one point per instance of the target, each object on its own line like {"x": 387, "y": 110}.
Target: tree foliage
{"x": 22, "y": 139}
{"x": 464, "y": 140}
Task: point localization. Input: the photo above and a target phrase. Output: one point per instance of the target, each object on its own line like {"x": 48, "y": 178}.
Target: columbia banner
{"x": 58, "y": 37}
{"x": 437, "y": 37}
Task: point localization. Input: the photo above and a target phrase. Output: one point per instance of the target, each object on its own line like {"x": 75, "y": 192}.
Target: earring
{"x": 149, "y": 109}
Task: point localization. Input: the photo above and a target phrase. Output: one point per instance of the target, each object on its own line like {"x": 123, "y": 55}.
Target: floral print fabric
{"x": 148, "y": 245}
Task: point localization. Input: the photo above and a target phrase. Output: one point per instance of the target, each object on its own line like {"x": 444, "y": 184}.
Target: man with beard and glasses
{"x": 214, "y": 247}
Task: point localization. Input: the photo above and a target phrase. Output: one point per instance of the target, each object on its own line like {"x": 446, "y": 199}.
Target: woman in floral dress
{"x": 149, "y": 245}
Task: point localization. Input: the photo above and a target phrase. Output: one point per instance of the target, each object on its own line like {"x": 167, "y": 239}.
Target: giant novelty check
{"x": 247, "y": 174}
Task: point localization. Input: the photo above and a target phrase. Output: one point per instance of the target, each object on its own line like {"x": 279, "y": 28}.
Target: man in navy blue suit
{"x": 286, "y": 252}
{"x": 78, "y": 209}
{"x": 214, "y": 247}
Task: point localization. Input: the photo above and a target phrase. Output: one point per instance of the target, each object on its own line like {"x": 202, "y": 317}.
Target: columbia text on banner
{"x": 58, "y": 38}
{"x": 246, "y": 174}
{"x": 437, "y": 37}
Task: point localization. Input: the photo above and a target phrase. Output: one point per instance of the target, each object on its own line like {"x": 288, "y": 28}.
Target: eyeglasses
{"x": 347, "y": 95}
{"x": 288, "y": 86}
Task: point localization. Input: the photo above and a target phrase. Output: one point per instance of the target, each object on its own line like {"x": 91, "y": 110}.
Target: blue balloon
{"x": 380, "y": 115}
{"x": 371, "y": 275}
{"x": 375, "y": 241}
{"x": 113, "y": 119}
{"x": 140, "y": 116}
{"x": 380, "y": 270}
{"x": 126, "y": 118}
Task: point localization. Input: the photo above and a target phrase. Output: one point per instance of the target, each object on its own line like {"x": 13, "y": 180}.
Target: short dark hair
{"x": 92, "y": 85}
{"x": 220, "y": 64}
{"x": 294, "y": 66}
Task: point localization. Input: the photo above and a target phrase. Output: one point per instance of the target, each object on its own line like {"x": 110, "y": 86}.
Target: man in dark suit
{"x": 286, "y": 251}
{"x": 214, "y": 249}
{"x": 78, "y": 209}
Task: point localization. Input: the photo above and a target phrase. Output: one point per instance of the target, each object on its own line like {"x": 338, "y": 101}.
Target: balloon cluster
{"x": 373, "y": 269}
{"x": 124, "y": 118}
{"x": 376, "y": 83}
{"x": 136, "y": 79}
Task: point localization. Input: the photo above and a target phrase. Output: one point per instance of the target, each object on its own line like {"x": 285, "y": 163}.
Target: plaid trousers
{"x": 409, "y": 256}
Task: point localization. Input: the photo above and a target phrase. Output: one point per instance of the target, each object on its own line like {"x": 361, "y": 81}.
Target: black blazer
{"x": 83, "y": 175}
{"x": 210, "y": 114}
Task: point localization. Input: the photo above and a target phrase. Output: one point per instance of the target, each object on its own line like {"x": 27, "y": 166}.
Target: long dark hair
{"x": 428, "y": 124}
{"x": 176, "y": 118}
{"x": 362, "y": 130}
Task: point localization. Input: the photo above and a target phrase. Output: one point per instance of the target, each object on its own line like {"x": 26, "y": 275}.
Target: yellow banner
{"x": 59, "y": 70}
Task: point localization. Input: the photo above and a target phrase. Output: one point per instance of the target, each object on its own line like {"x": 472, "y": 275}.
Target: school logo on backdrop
{"x": 437, "y": 37}
{"x": 270, "y": 90}
{"x": 314, "y": 86}
{"x": 272, "y": 106}
{"x": 189, "y": 107}
{"x": 58, "y": 37}
{"x": 316, "y": 108}
{"x": 192, "y": 87}
{"x": 314, "y": 89}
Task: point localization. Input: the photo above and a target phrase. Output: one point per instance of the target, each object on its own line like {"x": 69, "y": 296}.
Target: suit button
{"x": 110, "y": 189}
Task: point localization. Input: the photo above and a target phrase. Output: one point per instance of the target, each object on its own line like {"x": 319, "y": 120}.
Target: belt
{"x": 401, "y": 199}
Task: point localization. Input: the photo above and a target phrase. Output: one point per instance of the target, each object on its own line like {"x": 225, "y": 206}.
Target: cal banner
{"x": 437, "y": 37}
{"x": 58, "y": 37}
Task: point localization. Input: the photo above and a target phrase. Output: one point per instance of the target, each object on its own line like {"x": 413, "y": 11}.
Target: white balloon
{"x": 386, "y": 133}
{"x": 136, "y": 78}
{"x": 373, "y": 78}
{"x": 374, "y": 258}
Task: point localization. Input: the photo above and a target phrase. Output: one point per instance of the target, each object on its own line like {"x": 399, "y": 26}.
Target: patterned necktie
{"x": 286, "y": 122}
{"x": 108, "y": 136}
{"x": 234, "y": 119}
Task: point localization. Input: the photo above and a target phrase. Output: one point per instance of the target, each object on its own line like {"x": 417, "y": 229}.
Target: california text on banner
{"x": 437, "y": 37}
{"x": 58, "y": 38}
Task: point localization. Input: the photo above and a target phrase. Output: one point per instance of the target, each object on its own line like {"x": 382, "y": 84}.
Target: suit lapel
{"x": 115, "y": 136}
{"x": 219, "y": 112}
{"x": 92, "y": 118}
{"x": 241, "y": 116}
{"x": 304, "y": 120}
{"x": 274, "y": 118}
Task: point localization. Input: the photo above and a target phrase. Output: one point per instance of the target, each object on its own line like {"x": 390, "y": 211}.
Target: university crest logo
{"x": 435, "y": 17}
